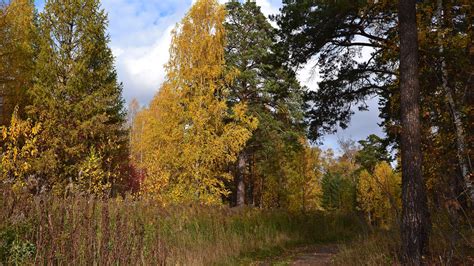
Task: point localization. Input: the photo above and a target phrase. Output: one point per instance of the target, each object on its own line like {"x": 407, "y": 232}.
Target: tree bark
{"x": 239, "y": 179}
{"x": 415, "y": 218}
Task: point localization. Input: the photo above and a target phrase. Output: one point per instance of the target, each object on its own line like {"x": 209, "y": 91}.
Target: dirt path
{"x": 310, "y": 255}
{"x": 317, "y": 255}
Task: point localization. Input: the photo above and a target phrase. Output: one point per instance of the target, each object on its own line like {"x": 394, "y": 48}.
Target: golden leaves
{"x": 379, "y": 194}
{"x": 189, "y": 134}
{"x": 93, "y": 180}
{"x": 20, "y": 142}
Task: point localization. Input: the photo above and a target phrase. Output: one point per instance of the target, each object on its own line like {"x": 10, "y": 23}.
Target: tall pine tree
{"x": 270, "y": 90}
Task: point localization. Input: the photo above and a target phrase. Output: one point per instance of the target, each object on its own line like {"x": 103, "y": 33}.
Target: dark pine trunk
{"x": 415, "y": 218}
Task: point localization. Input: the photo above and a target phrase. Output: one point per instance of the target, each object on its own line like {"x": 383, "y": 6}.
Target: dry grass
{"x": 379, "y": 248}
{"x": 449, "y": 245}
{"x": 80, "y": 231}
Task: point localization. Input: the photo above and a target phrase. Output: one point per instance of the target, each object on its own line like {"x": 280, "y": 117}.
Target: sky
{"x": 140, "y": 32}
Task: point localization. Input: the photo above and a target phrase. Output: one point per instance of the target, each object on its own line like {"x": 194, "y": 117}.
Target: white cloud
{"x": 267, "y": 7}
{"x": 142, "y": 68}
{"x": 309, "y": 76}
{"x": 140, "y": 38}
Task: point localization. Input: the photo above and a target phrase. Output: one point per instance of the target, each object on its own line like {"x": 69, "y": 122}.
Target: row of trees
{"x": 227, "y": 124}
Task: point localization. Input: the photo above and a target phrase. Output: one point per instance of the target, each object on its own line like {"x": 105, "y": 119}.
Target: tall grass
{"x": 82, "y": 231}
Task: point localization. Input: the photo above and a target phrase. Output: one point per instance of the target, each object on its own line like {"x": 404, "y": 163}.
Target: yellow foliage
{"x": 20, "y": 149}
{"x": 190, "y": 135}
{"x": 379, "y": 194}
{"x": 311, "y": 182}
{"x": 93, "y": 180}
{"x": 290, "y": 176}
{"x": 305, "y": 185}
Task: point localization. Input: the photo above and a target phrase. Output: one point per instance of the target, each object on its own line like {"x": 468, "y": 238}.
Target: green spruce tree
{"x": 76, "y": 96}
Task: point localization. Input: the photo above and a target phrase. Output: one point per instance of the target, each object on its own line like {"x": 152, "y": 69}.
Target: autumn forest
{"x": 225, "y": 165}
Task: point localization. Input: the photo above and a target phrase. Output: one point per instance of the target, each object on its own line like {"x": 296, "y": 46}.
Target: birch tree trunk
{"x": 456, "y": 115}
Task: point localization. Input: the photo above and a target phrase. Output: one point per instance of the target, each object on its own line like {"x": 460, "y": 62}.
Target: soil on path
{"x": 309, "y": 255}
{"x": 317, "y": 255}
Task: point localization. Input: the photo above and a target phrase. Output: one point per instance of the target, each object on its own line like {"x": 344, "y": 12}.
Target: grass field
{"x": 86, "y": 231}
{"x": 83, "y": 231}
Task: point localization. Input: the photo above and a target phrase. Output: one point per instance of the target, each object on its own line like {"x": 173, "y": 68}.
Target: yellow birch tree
{"x": 379, "y": 194}
{"x": 190, "y": 135}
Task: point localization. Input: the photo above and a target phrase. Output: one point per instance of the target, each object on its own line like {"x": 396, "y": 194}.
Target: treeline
{"x": 227, "y": 125}
{"x": 227, "y": 97}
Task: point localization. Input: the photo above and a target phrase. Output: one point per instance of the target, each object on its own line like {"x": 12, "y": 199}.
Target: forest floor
{"x": 302, "y": 256}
